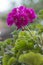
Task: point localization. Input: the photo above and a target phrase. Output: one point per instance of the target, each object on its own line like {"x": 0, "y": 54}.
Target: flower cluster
{"x": 21, "y": 16}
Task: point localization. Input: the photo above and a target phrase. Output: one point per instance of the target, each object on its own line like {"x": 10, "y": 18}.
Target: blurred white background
{"x": 6, "y": 5}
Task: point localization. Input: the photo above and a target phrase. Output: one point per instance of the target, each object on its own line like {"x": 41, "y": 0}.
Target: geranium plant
{"x": 26, "y": 46}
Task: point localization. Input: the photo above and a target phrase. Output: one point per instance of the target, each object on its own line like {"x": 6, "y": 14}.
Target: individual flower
{"x": 21, "y": 16}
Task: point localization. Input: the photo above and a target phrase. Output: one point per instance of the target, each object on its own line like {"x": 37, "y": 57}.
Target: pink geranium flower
{"x": 21, "y": 16}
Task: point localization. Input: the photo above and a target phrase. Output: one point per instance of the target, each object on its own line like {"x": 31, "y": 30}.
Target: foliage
{"x": 31, "y": 58}
{"x": 26, "y": 45}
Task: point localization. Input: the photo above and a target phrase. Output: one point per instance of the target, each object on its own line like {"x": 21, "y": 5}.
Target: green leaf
{"x": 11, "y": 61}
{"x": 37, "y": 49}
{"x": 41, "y": 12}
{"x": 5, "y": 59}
{"x": 24, "y": 34}
{"x": 40, "y": 15}
{"x": 30, "y": 45}
{"x": 8, "y": 41}
{"x": 3, "y": 44}
{"x": 21, "y": 44}
{"x": 31, "y": 58}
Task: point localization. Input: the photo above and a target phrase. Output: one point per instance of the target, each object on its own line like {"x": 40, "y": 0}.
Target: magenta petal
{"x": 10, "y": 19}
